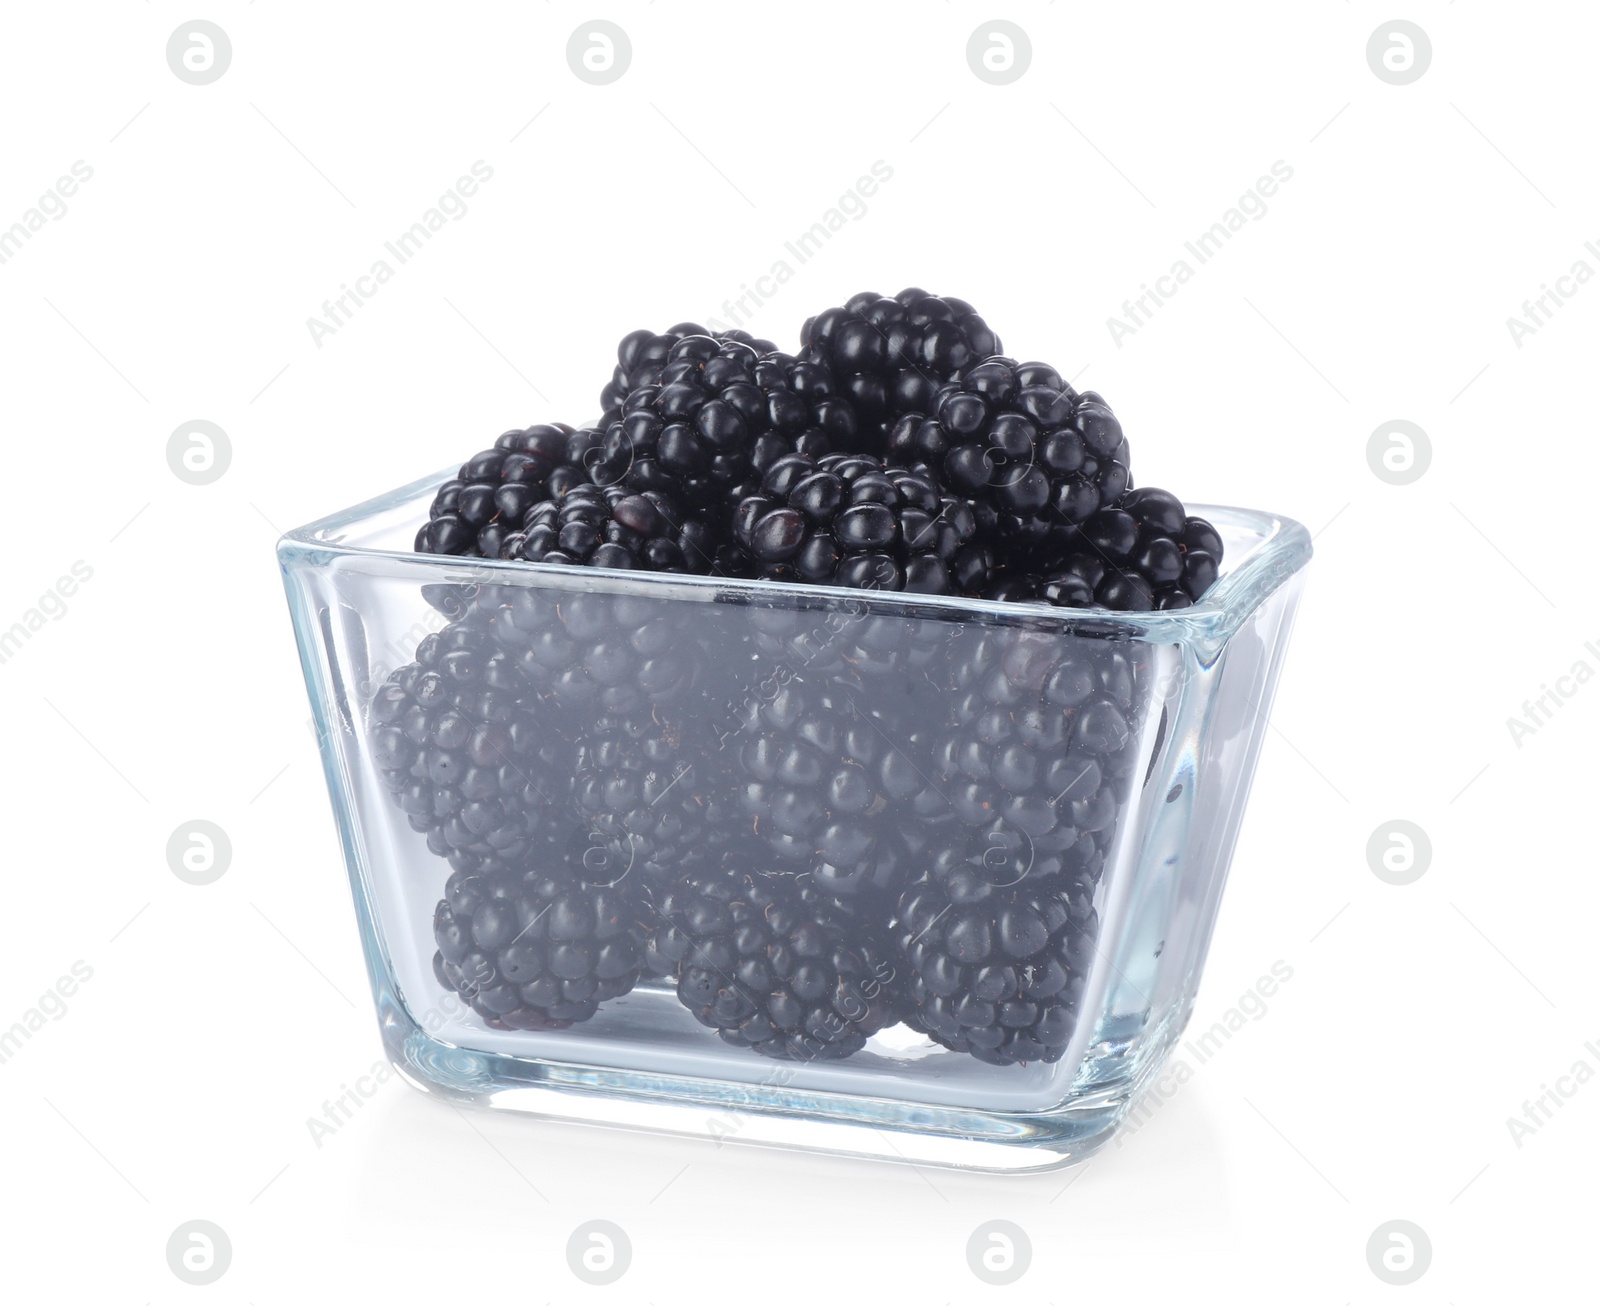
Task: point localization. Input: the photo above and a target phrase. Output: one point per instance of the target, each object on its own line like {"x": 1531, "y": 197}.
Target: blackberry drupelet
{"x": 474, "y": 511}
{"x": 641, "y": 356}
{"x": 832, "y": 786}
{"x": 719, "y": 414}
{"x": 611, "y": 527}
{"x": 852, "y": 520}
{"x": 997, "y": 971}
{"x": 458, "y": 742}
{"x": 1144, "y": 553}
{"x": 539, "y": 948}
{"x": 890, "y": 356}
{"x": 1034, "y": 454}
{"x": 773, "y": 965}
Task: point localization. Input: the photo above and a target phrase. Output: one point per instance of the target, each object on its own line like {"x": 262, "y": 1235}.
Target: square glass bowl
{"x": 880, "y": 874}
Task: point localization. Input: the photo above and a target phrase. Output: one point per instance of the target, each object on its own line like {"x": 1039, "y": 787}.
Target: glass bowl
{"x": 882, "y": 874}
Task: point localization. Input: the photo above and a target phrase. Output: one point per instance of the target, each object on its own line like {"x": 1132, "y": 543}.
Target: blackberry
{"x": 831, "y": 785}
{"x": 474, "y": 511}
{"x": 997, "y": 971}
{"x": 620, "y": 677}
{"x": 1039, "y": 752}
{"x": 641, "y": 356}
{"x": 459, "y": 745}
{"x": 720, "y": 413}
{"x": 541, "y": 948}
{"x": 890, "y": 356}
{"x": 611, "y": 527}
{"x": 773, "y": 965}
{"x": 592, "y": 655}
{"x": 1144, "y": 553}
{"x": 852, "y": 520}
{"x": 1038, "y": 457}
{"x": 640, "y": 794}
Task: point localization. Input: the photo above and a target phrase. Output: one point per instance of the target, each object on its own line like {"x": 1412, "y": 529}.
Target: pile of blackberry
{"x": 810, "y": 819}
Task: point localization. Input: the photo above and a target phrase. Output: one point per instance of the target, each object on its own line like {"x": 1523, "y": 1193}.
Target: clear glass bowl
{"x": 942, "y": 728}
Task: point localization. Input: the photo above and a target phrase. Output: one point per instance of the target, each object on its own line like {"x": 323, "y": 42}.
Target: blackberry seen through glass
{"x": 460, "y": 744}
{"x": 538, "y": 948}
{"x": 832, "y": 785}
{"x": 1039, "y": 752}
{"x": 997, "y": 972}
{"x": 774, "y": 965}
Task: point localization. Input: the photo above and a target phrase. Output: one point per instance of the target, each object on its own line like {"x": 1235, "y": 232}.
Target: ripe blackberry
{"x": 642, "y": 794}
{"x": 592, "y": 655}
{"x": 621, "y": 677}
{"x": 890, "y": 356}
{"x": 997, "y": 972}
{"x": 720, "y": 413}
{"x": 1036, "y": 455}
{"x": 1145, "y": 553}
{"x": 1039, "y": 752}
{"x": 538, "y": 948}
{"x": 458, "y": 742}
{"x": 474, "y": 511}
{"x": 641, "y": 356}
{"x": 611, "y": 527}
{"x": 831, "y": 785}
{"x": 773, "y": 965}
{"x": 852, "y": 520}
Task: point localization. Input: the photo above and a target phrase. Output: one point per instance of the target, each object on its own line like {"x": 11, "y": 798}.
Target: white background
{"x": 1377, "y": 286}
